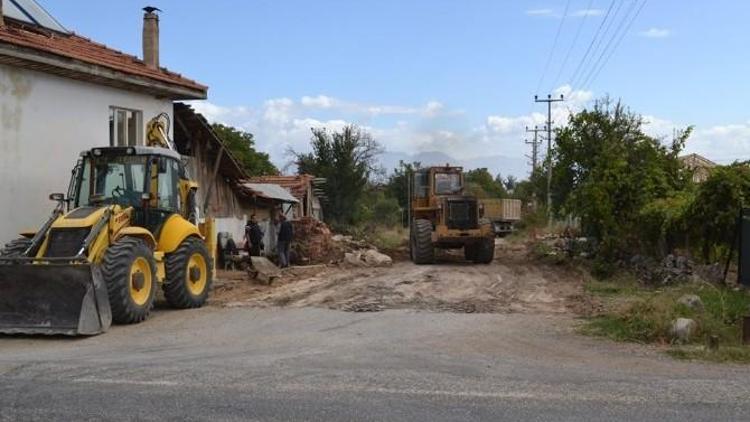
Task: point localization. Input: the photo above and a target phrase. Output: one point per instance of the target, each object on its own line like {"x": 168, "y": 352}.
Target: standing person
{"x": 254, "y": 236}
{"x": 286, "y": 234}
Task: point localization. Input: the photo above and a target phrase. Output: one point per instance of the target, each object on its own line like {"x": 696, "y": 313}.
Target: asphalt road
{"x": 312, "y": 364}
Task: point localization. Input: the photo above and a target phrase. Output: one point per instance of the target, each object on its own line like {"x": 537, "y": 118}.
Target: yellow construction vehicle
{"x": 441, "y": 215}
{"x": 126, "y": 226}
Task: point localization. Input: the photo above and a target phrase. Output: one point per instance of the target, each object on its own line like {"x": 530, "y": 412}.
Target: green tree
{"x": 606, "y": 169}
{"x": 242, "y": 146}
{"x": 347, "y": 159}
{"x": 482, "y": 184}
{"x": 509, "y": 182}
{"x": 397, "y": 185}
{"x": 712, "y": 215}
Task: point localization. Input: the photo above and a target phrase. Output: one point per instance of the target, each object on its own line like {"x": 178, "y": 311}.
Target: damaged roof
{"x": 191, "y": 124}
{"x": 297, "y": 185}
{"x": 69, "y": 55}
{"x": 270, "y": 191}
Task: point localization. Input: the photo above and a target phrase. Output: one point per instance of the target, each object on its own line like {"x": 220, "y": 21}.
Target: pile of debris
{"x": 674, "y": 269}
{"x": 359, "y": 253}
{"x": 313, "y": 242}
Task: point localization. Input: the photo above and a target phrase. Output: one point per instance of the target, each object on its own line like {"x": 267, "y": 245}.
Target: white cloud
{"x": 540, "y": 12}
{"x": 587, "y": 12}
{"x": 321, "y": 101}
{"x": 550, "y": 13}
{"x": 655, "y": 33}
{"x": 282, "y": 123}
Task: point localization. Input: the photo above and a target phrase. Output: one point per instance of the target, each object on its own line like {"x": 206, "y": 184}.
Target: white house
{"x": 61, "y": 93}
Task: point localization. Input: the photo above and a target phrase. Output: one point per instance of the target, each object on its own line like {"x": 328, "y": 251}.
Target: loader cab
{"x": 447, "y": 181}
{"x": 147, "y": 179}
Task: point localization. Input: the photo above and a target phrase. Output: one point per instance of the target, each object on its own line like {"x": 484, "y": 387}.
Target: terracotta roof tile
{"x": 85, "y": 50}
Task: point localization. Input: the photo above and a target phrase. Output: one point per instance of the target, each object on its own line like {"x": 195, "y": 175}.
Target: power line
{"x": 585, "y": 70}
{"x": 617, "y": 44}
{"x": 615, "y": 34}
{"x": 605, "y": 33}
{"x": 572, "y": 45}
{"x": 591, "y": 44}
{"x": 554, "y": 46}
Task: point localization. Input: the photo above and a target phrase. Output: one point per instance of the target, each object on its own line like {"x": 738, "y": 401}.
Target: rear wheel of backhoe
{"x": 188, "y": 275}
{"x": 422, "y": 250}
{"x": 16, "y": 247}
{"x": 129, "y": 271}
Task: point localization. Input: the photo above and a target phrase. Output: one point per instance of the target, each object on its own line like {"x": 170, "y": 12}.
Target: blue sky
{"x": 451, "y": 76}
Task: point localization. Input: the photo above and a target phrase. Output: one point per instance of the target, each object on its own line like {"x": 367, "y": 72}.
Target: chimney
{"x": 151, "y": 37}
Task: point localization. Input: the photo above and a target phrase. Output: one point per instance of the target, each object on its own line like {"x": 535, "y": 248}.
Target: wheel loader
{"x": 441, "y": 215}
{"x": 126, "y": 226}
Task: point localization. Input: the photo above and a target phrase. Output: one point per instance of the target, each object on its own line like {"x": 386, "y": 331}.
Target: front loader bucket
{"x": 69, "y": 299}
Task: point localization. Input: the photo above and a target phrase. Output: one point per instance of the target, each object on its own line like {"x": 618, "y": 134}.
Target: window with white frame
{"x": 125, "y": 127}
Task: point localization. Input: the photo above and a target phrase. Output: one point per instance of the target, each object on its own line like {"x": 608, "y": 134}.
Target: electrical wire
{"x": 554, "y": 45}
{"x": 572, "y": 45}
{"x": 615, "y": 35}
{"x": 596, "y": 40}
{"x": 617, "y": 44}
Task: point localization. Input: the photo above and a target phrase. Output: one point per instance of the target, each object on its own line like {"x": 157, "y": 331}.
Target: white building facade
{"x": 61, "y": 94}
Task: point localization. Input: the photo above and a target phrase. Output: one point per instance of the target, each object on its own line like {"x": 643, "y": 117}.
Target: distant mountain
{"x": 494, "y": 163}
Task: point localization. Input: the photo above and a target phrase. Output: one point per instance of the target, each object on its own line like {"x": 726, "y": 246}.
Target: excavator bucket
{"x": 55, "y": 299}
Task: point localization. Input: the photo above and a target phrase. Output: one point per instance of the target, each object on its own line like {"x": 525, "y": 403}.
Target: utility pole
{"x": 549, "y": 100}
{"x": 534, "y": 147}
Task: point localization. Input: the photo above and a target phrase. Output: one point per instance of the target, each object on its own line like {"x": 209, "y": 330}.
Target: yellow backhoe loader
{"x": 126, "y": 226}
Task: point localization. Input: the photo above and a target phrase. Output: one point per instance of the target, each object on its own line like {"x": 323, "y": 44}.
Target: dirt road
{"x": 512, "y": 283}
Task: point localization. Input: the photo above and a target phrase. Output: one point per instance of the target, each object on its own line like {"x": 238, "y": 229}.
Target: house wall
{"x": 45, "y": 122}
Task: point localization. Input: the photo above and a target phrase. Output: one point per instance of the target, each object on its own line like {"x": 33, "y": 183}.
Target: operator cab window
{"x": 169, "y": 179}
{"x": 447, "y": 183}
{"x": 125, "y": 127}
{"x": 112, "y": 180}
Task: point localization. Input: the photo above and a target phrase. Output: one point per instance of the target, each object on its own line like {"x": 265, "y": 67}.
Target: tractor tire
{"x": 16, "y": 247}
{"x": 485, "y": 251}
{"x": 188, "y": 277}
{"x": 129, "y": 270}
{"x": 470, "y": 251}
{"x": 422, "y": 251}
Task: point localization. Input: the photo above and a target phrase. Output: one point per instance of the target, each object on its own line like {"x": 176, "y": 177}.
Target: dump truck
{"x": 126, "y": 226}
{"x": 502, "y": 213}
{"x": 442, "y": 215}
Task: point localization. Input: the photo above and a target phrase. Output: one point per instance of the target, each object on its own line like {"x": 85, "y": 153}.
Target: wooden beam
{"x": 214, "y": 173}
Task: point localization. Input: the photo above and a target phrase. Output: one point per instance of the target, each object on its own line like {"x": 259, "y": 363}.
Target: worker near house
{"x": 253, "y": 237}
{"x": 286, "y": 234}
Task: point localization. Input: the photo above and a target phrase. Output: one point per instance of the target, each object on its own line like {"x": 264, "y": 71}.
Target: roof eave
{"x": 79, "y": 70}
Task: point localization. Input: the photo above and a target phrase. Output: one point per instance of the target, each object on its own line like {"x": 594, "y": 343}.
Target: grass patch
{"x": 388, "y": 238}
{"x": 642, "y": 315}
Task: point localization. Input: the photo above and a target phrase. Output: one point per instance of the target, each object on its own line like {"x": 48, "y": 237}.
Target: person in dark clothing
{"x": 253, "y": 237}
{"x": 286, "y": 234}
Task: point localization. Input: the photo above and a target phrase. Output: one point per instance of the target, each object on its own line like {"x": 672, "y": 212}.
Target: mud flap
{"x": 67, "y": 299}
